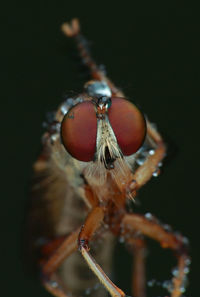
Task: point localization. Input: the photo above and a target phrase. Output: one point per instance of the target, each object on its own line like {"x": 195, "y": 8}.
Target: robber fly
{"x": 98, "y": 151}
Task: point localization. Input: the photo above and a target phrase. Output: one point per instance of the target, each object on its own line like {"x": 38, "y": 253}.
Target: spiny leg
{"x": 138, "y": 247}
{"x": 92, "y": 223}
{"x": 73, "y": 30}
{"x": 55, "y": 286}
{"x": 167, "y": 240}
{"x": 138, "y": 277}
{"x": 49, "y": 278}
{"x": 146, "y": 170}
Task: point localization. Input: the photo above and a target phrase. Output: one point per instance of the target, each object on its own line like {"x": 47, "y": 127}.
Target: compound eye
{"x": 128, "y": 124}
{"x": 79, "y": 130}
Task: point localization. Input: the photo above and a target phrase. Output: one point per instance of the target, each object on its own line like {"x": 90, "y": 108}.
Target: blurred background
{"x": 152, "y": 52}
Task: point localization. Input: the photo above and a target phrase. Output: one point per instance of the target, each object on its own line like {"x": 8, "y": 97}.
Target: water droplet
{"x": 187, "y": 262}
{"x": 156, "y": 172}
{"x": 168, "y": 285}
{"x": 154, "y": 126}
{"x": 78, "y": 100}
{"x": 167, "y": 227}
{"x": 151, "y": 283}
{"x": 140, "y": 160}
{"x": 132, "y": 184}
{"x": 96, "y": 286}
{"x": 54, "y": 137}
{"x": 102, "y": 67}
{"x": 70, "y": 101}
{"x": 185, "y": 281}
{"x": 151, "y": 152}
{"x": 144, "y": 152}
{"x": 160, "y": 164}
{"x": 186, "y": 270}
{"x": 185, "y": 240}
{"x": 175, "y": 271}
{"x": 44, "y": 125}
{"x": 54, "y": 284}
{"x": 64, "y": 108}
{"x": 97, "y": 88}
{"x": 121, "y": 239}
{"x": 182, "y": 289}
{"x": 88, "y": 291}
{"x": 148, "y": 216}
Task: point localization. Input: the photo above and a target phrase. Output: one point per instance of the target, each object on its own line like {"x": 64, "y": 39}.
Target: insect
{"x": 98, "y": 151}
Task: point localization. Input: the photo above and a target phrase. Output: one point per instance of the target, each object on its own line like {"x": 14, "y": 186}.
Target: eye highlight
{"x": 79, "y": 130}
{"x": 128, "y": 124}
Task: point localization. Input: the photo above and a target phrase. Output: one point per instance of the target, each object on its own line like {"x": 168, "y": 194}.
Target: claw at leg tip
{"x": 72, "y": 28}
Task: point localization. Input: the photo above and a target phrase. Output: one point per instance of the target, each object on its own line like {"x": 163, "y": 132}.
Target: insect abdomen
{"x": 58, "y": 210}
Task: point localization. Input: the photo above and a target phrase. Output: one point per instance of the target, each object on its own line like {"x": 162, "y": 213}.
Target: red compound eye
{"x": 128, "y": 124}
{"x": 79, "y": 130}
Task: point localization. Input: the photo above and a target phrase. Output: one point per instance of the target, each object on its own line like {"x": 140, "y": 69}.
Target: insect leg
{"x": 73, "y": 30}
{"x": 166, "y": 239}
{"x": 137, "y": 245}
{"x": 146, "y": 170}
{"x": 138, "y": 279}
{"x": 49, "y": 278}
{"x": 92, "y": 223}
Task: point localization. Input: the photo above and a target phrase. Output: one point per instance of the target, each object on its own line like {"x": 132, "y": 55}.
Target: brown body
{"x": 58, "y": 208}
{"x": 68, "y": 194}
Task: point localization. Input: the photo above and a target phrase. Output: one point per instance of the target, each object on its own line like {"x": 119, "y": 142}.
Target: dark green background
{"x": 152, "y": 52}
